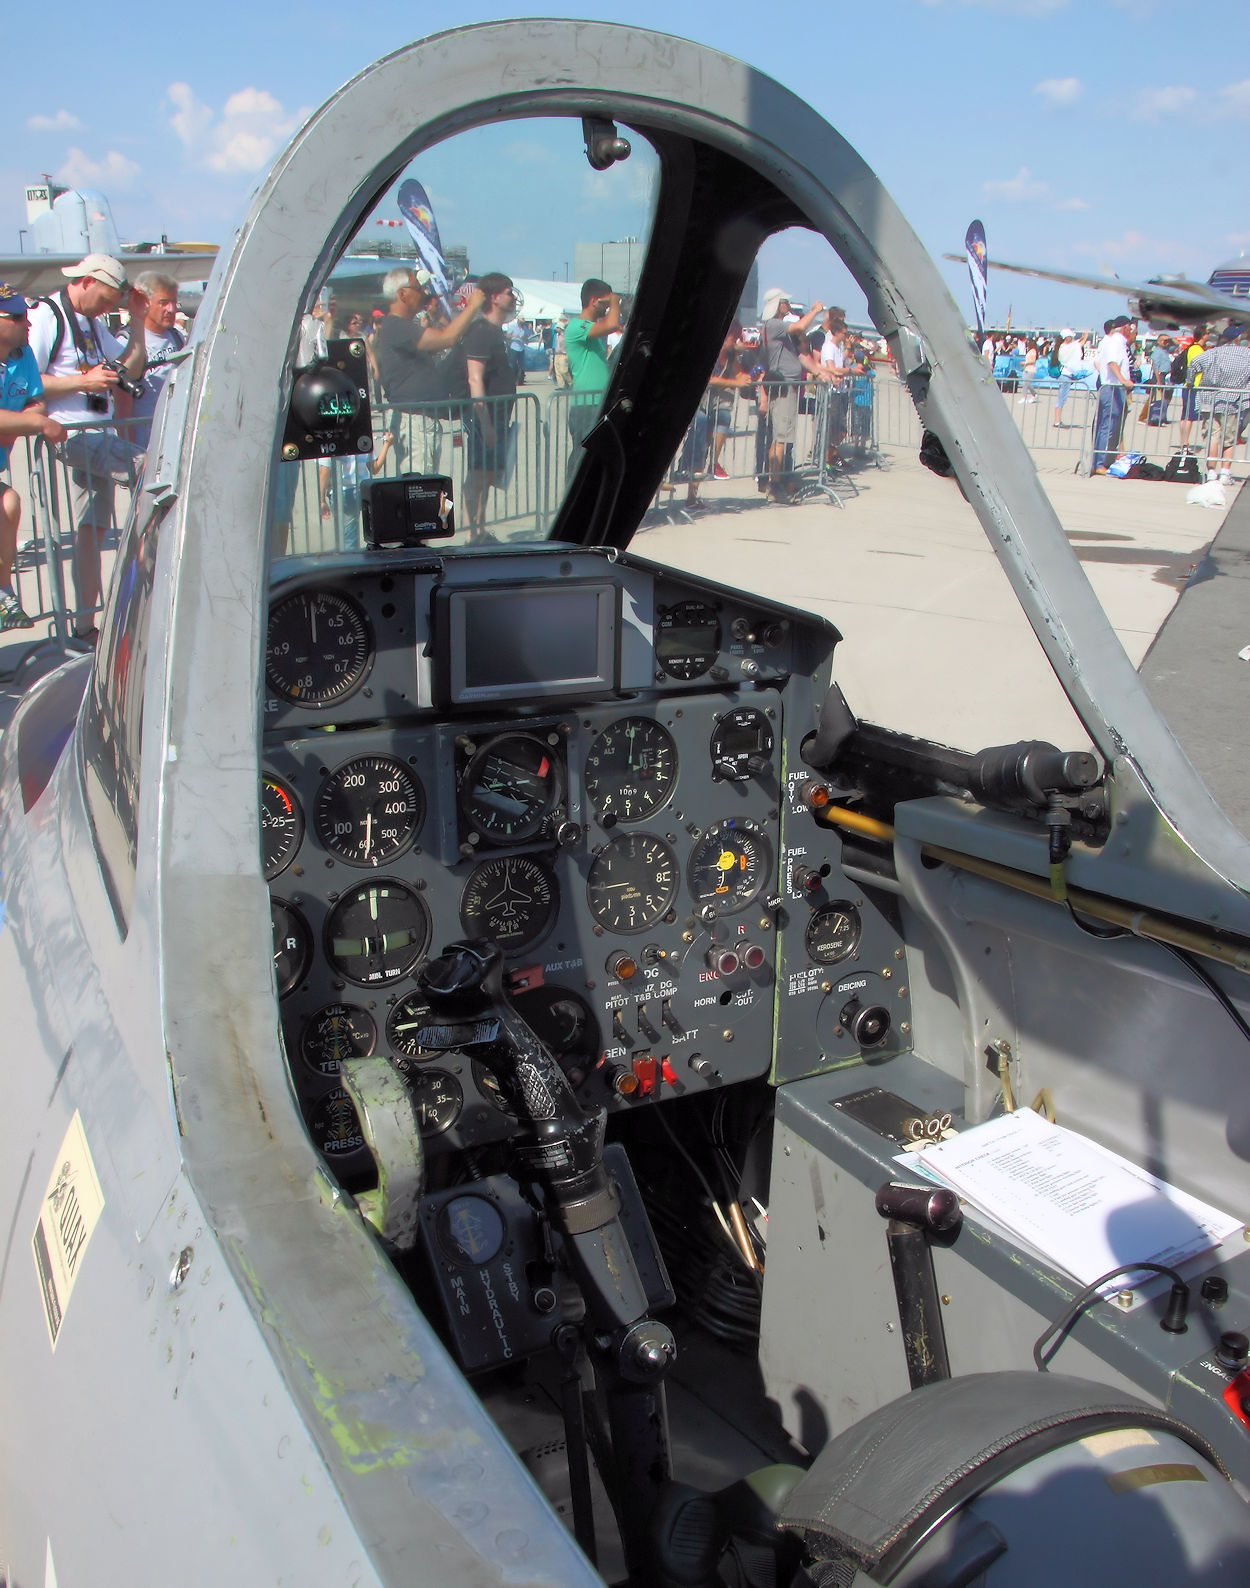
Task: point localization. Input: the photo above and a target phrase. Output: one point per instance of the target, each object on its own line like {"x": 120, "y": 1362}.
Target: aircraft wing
{"x": 35, "y": 275}
{"x": 1167, "y": 300}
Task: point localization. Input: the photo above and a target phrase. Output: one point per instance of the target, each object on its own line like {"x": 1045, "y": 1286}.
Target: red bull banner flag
{"x": 978, "y": 268}
{"x": 418, "y": 213}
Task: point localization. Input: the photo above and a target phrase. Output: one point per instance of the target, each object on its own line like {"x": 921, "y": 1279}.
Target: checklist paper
{"x": 1082, "y": 1207}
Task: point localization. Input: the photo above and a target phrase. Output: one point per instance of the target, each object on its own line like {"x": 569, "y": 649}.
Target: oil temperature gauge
{"x": 833, "y": 933}
{"x": 335, "y": 1033}
{"x": 729, "y": 865}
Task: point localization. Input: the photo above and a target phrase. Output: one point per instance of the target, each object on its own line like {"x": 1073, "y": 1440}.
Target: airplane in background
{"x": 1165, "y": 302}
{"x": 63, "y": 225}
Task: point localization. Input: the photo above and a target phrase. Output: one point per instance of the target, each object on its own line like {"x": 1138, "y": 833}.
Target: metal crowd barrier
{"x": 60, "y": 575}
{"x": 729, "y": 437}
{"x": 317, "y": 508}
{"x": 1153, "y": 424}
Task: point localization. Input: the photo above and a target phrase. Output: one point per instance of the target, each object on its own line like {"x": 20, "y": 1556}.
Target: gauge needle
{"x": 312, "y": 615}
{"x": 369, "y": 835}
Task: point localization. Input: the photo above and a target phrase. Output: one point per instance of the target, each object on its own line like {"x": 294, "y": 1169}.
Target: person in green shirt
{"x": 586, "y": 344}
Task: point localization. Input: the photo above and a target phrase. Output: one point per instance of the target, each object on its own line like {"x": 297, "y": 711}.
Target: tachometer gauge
{"x": 729, "y": 865}
{"x": 335, "y": 1033}
{"x": 369, "y": 810}
{"x": 281, "y": 825}
{"x": 437, "y": 1098}
{"x": 833, "y": 932}
{"x": 408, "y": 1017}
{"x": 376, "y": 932}
{"x": 631, "y": 769}
{"x": 318, "y": 649}
{"x": 510, "y": 786}
{"x": 512, "y": 900}
{"x": 632, "y": 883}
{"x": 292, "y": 945}
{"x": 687, "y": 639}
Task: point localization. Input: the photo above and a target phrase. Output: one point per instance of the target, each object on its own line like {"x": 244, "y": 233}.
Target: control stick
{"x": 561, "y": 1153}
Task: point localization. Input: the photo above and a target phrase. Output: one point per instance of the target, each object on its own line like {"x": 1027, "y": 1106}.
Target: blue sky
{"x": 1082, "y": 132}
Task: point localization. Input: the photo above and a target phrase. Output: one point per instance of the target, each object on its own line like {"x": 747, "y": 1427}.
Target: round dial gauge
{"x": 687, "y": 639}
{"x": 566, "y": 1025}
{"x": 437, "y": 1098}
{"x": 509, "y": 788}
{"x": 335, "y": 1033}
{"x": 470, "y": 1230}
{"x": 512, "y": 900}
{"x": 833, "y": 933}
{"x": 632, "y": 883}
{"x": 410, "y": 1015}
{"x": 729, "y": 865}
{"x": 741, "y": 745}
{"x": 488, "y": 1086}
{"x": 369, "y": 810}
{"x": 631, "y": 769}
{"x": 377, "y": 932}
{"x": 292, "y": 945}
{"x": 318, "y": 649}
{"x": 333, "y": 1125}
{"x": 281, "y": 825}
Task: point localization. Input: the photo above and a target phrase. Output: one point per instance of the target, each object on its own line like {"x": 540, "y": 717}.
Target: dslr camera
{"x": 125, "y": 381}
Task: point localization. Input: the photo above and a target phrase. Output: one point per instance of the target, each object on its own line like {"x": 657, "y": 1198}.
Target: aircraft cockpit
{"x": 598, "y": 791}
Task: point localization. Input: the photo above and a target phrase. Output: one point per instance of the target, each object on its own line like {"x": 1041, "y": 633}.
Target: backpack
{"x": 1180, "y": 365}
{"x": 59, "y": 335}
{"x": 1182, "y": 469}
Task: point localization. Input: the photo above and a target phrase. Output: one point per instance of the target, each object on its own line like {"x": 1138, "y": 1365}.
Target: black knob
{"x": 934, "y": 1208}
{"x": 1233, "y": 1348}
{"x": 459, "y": 970}
{"x": 1215, "y": 1289}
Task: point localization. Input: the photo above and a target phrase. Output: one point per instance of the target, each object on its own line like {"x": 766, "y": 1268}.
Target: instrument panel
{"x": 618, "y": 830}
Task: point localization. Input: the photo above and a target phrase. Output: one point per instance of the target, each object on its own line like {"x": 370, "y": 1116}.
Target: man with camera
{"x": 83, "y": 365}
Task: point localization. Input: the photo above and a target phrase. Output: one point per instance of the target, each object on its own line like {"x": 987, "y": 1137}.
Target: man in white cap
{"x": 1071, "y": 356}
{"x": 74, "y": 350}
{"x": 785, "y": 360}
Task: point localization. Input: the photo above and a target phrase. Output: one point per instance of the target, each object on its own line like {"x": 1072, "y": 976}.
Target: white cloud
{"x": 1073, "y": 204}
{"x": 1018, "y": 188}
{"x": 1156, "y": 102}
{"x": 1235, "y": 99}
{"x": 1059, "y": 91}
{"x": 63, "y": 121}
{"x": 249, "y": 131}
{"x": 114, "y": 171}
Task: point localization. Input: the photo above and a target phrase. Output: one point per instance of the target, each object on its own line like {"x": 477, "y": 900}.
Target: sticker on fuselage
{"x": 68, "y": 1215}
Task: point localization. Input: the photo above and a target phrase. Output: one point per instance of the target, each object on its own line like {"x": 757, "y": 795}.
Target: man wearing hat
{"x": 72, "y": 348}
{"x": 1115, "y": 381}
{"x": 406, "y": 342}
{"x": 784, "y": 363}
{"x": 22, "y": 413}
{"x": 1223, "y": 397}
